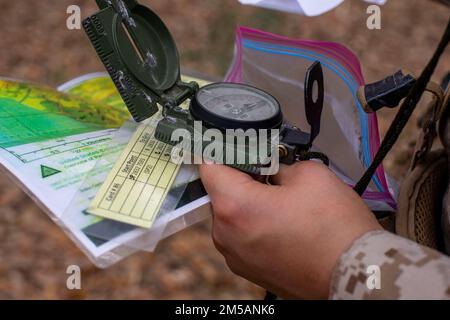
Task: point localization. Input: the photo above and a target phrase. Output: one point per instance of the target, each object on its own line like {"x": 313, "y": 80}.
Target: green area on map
{"x": 32, "y": 113}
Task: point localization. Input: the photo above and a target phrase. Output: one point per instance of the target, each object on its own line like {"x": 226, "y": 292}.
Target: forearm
{"x": 407, "y": 270}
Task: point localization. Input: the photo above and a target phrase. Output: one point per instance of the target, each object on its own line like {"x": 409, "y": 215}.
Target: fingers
{"x": 225, "y": 181}
{"x": 290, "y": 175}
{"x": 287, "y": 175}
{"x": 235, "y": 197}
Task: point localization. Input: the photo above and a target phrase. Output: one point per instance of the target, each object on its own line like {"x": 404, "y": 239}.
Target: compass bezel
{"x": 213, "y": 120}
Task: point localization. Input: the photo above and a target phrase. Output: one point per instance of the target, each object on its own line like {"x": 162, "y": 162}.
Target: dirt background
{"x": 35, "y": 45}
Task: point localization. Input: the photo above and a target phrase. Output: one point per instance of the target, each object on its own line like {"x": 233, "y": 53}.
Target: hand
{"x": 288, "y": 237}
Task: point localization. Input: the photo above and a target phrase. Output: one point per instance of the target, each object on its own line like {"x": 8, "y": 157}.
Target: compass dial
{"x": 233, "y": 106}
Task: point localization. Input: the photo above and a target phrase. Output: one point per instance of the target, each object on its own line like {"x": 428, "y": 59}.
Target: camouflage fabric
{"x": 406, "y": 270}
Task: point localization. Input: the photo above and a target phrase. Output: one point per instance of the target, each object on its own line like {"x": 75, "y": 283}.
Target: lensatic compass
{"x": 142, "y": 59}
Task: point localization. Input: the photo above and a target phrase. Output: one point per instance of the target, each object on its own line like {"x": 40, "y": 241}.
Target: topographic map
{"x": 60, "y": 145}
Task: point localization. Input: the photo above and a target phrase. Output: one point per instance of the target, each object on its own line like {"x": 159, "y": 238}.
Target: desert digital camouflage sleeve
{"x": 407, "y": 270}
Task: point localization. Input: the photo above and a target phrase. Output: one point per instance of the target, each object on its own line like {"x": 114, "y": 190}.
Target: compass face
{"x": 231, "y": 105}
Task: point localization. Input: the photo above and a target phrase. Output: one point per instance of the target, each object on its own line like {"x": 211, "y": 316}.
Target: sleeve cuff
{"x": 381, "y": 265}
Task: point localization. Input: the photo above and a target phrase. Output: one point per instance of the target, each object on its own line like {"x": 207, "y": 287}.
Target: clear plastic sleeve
{"x": 348, "y": 135}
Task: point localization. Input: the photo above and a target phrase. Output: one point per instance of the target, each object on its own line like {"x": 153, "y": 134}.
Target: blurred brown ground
{"x": 35, "y": 45}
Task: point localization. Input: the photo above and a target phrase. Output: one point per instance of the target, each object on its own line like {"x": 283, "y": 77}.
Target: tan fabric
{"x": 407, "y": 270}
{"x": 419, "y": 207}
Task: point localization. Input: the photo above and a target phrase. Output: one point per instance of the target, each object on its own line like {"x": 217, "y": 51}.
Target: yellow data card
{"x": 139, "y": 181}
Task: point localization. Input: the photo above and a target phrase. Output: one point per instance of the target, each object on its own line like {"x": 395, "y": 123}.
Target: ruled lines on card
{"x": 139, "y": 181}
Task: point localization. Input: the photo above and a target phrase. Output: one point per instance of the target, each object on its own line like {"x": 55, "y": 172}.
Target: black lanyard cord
{"x": 404, "y": 113}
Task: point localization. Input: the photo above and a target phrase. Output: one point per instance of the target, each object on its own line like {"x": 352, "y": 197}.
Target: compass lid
{"x": 145, "y": 45}
{"x": 139, "y": 53}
